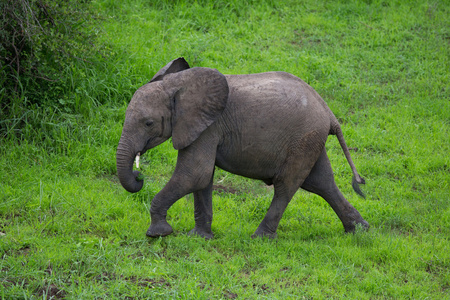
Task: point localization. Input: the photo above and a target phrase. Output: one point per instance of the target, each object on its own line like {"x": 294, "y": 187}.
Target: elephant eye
{"x": 149, "y": 123}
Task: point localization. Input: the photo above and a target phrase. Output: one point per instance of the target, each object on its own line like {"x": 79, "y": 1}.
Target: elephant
{"x": 269, "y": 126}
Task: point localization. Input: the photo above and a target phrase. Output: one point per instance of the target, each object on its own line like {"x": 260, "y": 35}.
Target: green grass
{"x": 69, "y": 230}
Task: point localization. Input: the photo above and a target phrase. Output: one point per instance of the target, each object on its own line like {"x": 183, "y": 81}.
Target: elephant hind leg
{"x": 283, "y": 194}
{"x": 321, "y": 182}
{"x": 301, "y": 159}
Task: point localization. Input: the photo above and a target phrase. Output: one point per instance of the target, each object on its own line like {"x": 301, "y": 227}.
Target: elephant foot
{"x": 203, "y": 233}
{"x": 351, "y": 228}
{"x": 259, "y": 233}
{"x": 162, "y": 228}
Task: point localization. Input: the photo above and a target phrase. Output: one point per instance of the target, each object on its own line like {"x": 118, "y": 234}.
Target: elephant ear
{"x": 198, "y": 97}
{"x": 176, "y": 65}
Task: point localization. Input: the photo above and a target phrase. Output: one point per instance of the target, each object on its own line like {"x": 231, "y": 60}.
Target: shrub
{"x": 42, "y": 41}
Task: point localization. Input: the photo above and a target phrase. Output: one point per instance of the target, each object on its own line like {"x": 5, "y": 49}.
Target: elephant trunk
{"x": 124, "y": 162}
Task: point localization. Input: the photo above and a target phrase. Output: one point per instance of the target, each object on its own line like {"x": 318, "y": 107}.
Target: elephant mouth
{"x": 147, "y": 146}
{"x": 137, "y": 158}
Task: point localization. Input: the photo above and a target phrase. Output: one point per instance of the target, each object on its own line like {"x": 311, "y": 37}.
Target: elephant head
{"x": 179, "y": 102}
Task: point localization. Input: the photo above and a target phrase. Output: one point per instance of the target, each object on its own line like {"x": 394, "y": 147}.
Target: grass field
{"x": 69, "y": 230}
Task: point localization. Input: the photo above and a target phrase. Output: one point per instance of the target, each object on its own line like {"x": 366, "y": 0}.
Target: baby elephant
{"x": 269, "y": 126}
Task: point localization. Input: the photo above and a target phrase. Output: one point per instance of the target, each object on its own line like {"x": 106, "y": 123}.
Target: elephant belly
{"x": 252, "y": 161}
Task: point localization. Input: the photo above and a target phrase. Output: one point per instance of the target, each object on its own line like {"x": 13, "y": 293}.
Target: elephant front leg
{"x": 193, "y": 173}
{"x": 177, "y": 187}
{"x": 158, "y": 211}
{"x": 203, "y": 212}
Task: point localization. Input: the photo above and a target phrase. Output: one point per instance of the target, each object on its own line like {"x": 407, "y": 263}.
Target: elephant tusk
{"x": 137, "y": 159}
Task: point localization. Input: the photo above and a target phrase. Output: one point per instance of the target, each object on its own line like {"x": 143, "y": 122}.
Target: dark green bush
{"x": 43, "y": 44}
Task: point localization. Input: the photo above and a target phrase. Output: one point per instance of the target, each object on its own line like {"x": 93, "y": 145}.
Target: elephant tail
{"x": 357, "y": 179}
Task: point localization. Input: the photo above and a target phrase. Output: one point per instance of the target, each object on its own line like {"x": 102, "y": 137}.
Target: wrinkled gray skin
{"x": 269, "y": 126}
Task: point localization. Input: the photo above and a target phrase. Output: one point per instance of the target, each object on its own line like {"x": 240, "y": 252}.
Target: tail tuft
{"x": 355, "y": 184}
{"x": 357, "y": 180}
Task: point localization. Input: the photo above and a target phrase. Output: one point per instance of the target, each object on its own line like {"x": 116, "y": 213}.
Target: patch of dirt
{"x": 262, "y": 289}
{"x": 225, "y": 189}
{"x": 24, "y": 250}
{"x": 53, "y": 292}
{"x": 149, "y": 282}
{"x": 230, "y": 295}
{"x": 7, "y": 218}
{"x": 110, "y": 177}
